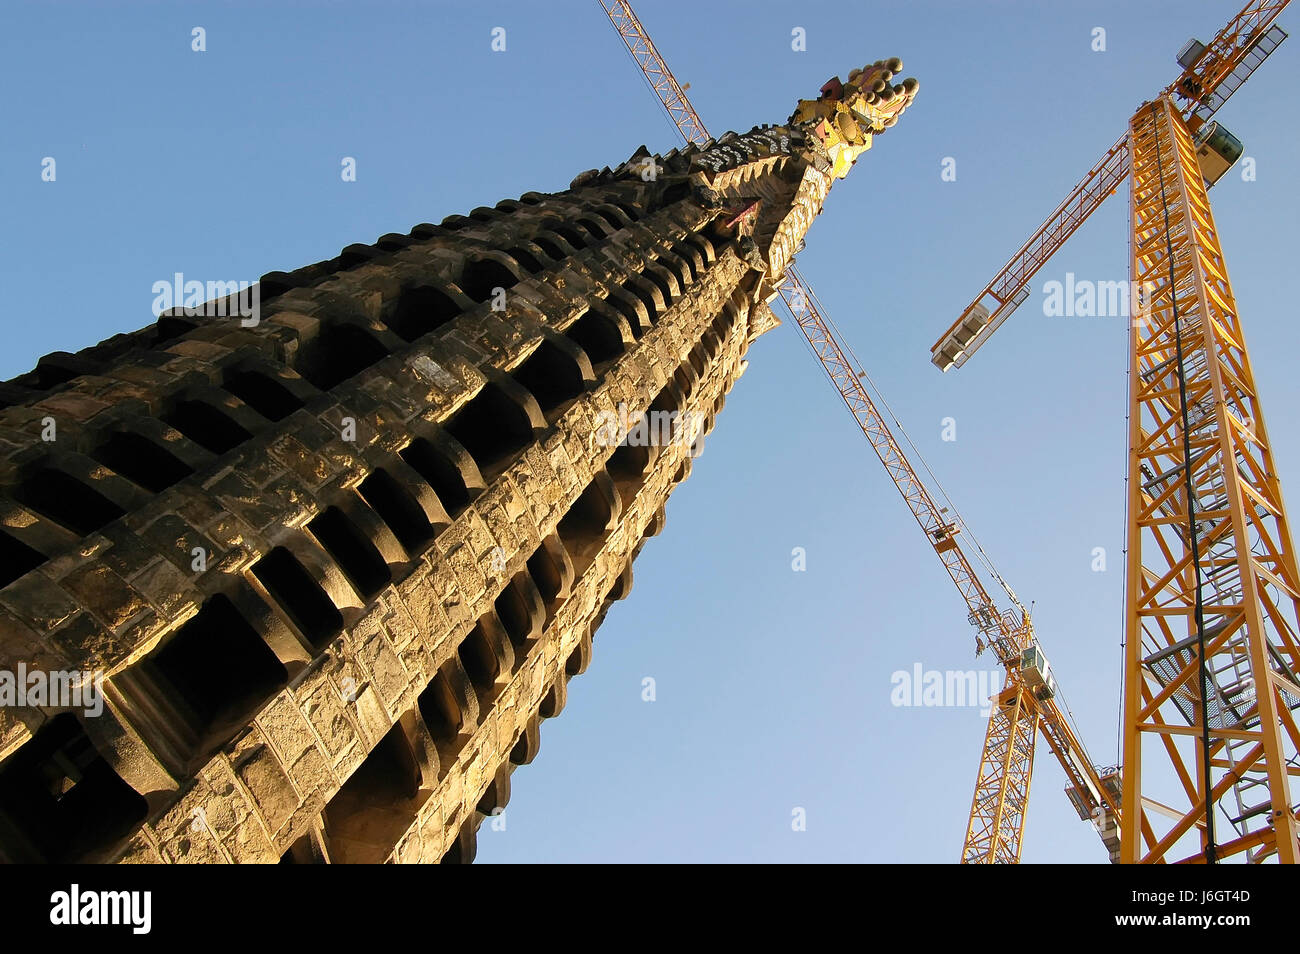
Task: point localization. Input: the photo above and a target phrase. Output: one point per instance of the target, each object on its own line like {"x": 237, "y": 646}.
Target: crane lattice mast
{"x": 1212, "y": 650}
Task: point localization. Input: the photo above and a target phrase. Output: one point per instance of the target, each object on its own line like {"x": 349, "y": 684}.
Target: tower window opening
{"x": 376, "y": 805}
{"x": 420, "y": 311}
{"x": 440, "y": 472}
{"x": 61, "y": 801}
{"x": 482, "y": 663}
{"x": 263, "y": 394}
{"x": 219, "y": 671}
{"x": 355, "y": 554}
{"x": 306, "y": 604}
{"x": 584, "y": 527}
{"x": 397, "y": 508}
{"x": 553, "y": 377}
{"x": 141, "y": 461}
{"x": 493, "y": 428}
{"x": 206, "y": 426}
{"x": 338, "y": 353}
{"x": 482, "y": 276}
{"x": 67, "y": 501}
{"x": 16, "y": 559}
{"x": 444, "y": 719}
{"x": 598, "y": 335}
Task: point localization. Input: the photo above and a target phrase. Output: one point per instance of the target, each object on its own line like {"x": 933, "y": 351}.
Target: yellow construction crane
{"x": 1027, "y": 704}
{"x": 1212, "y": 589}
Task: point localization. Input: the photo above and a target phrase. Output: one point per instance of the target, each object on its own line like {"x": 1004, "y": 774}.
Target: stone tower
{"x": 302, "y": 587}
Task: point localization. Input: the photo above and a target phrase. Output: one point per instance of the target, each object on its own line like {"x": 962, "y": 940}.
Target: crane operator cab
{"x": 1217, "y": 150}
{"x": 1036, "y": 673}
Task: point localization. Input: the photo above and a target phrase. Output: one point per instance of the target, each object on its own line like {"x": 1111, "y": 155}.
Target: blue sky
{"x": 773, "y": 686}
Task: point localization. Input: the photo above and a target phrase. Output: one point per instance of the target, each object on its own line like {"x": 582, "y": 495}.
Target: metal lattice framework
{"x": 803, "y": 308}
{"x": 1010, "y": 287}
{"x": 1236, "y": 52}
{"x": 1217, "y": 589}
{"x": 656, "y": 71}
{"x": 997, "y": 814}
{"x": 1211, "y": 649}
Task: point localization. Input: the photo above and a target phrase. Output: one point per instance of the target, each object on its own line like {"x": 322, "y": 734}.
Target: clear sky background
{"x": 773, "y": 686}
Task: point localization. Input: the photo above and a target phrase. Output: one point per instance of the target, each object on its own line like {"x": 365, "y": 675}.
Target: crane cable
{"x": 983, "y": 556}
{"x": 1128, "y": 448}
{"x": 1198, "y": 603}
{"x": 860, "y": 369}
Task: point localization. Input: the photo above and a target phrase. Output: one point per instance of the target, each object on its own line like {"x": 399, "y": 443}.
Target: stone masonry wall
{"x": 338, "y": 566}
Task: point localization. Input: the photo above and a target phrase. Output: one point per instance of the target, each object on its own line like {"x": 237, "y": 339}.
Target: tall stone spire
{"x": 334, "y": 564}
